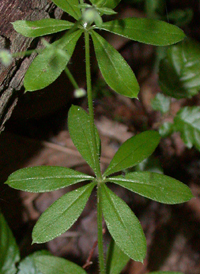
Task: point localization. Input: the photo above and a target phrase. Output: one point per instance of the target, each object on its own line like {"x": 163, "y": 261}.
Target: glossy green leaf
{"x": 41, "y": 27}
{"x": 116, "y": 259}
{"x": 165, "y": 272}
{"x": 45, "y": 178}
{"x": 157, "y": 187}
{"x": 133, "y": 151}
{"x": 28, "y": 266}
{"x": 80, "y": 132}
{"x": 106, "y": 11}
{"x": 179, "y": 72}
{"x": 69, "y": 6}
{"x": 49, "y": 64}
{"x": 187, "y": 121}
{"x": 148, "y": 31}
{"x": 166, "y": 129}
{"x": 123, "y": 225}
{"x": 120, "y": 77}
{"x": 105, "y": 3}
{"x": 61, "y": 215}
{"x": 161, "y": 103}
{"x": 9, "y": 251}
{"x": 47, "y": 264}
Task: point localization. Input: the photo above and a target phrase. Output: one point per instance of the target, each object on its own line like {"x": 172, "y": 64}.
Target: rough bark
{"x": 11, "y": 78}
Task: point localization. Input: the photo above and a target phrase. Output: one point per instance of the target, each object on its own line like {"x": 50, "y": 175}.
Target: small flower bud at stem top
{"x": 90, "y": 15}
{"x": 80, "y": 92}
{"x": 5, "y": 57}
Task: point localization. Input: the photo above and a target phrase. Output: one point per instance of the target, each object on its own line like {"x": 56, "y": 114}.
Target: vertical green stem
{"x": 97, "y": 164}
{"x": 100, "y": 231}
{"x": 90, "y": 105}
{"x": 71, "y": 78}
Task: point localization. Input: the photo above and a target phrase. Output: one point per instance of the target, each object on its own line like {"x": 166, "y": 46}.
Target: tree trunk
{"x": 11, "y": 78}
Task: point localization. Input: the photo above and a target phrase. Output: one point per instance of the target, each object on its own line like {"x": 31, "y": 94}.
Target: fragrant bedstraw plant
{"x": 121, "y": 222}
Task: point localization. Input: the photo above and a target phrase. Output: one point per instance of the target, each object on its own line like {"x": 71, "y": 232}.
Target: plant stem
{"x": 100, "y": 231}
{"x": 71, "y": 78}
{"x": 96, "y": 155}
{"x": 90, "y": 106}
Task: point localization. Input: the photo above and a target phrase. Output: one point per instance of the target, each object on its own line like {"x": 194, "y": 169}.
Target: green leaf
{"x": 28, "y": 266}
{"x": 123, "y": 225}
{"x": 179, "y": 72}
{"x": 111, "y": 4}
{"x": 120, "y": 77}
{"x": 133, "y": 151}
{"x": 59, "y": 265}
{"x": 161, "y": 103}
{"x": 41, "y": 27}
{"x": 9, "y": 251}
{"x": 187, "y": 121}
{"x": 80, "y": 132}
{"x": 69, "y": 6}
{"x": 61, "y": 215}
{"x": 166, "y": 129}
{"x": 49, "y": 64}
{"x": 157, "y": 187}
{"x": 165, "y": 272}
{"x": 45, "y": 178}
{"x": 106, "y": 11}
{"x": 116, "y": 259}
{"x": 148, "y": 31}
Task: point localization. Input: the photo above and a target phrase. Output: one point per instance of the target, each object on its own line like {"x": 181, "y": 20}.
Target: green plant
{"x": 42, "y": 261}
{"x": 121, "y": 222}
{"x": 179, "y": 78}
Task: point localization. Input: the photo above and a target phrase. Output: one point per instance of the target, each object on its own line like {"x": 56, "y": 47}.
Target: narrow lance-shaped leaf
{"x": 187, "y": 121}
{"x": 105, "y": 3}
{"x": 49, "y": 64}
{"x": 179, "y": 71}
{"x": 115, "y": 70}
{"x": 133, "y": 151}
{"x": 116, "y": 259}
{"x": 41, "y": 27}
{"x": 45, "y": 178}
{"x": 80, "y": 132}
{"x": 47, "y": 263}
{"x": 28, "y": 266}
{"x": 123, "y": 225}
{"x": 157, "y": 187}
{"x": 148, "y": 31}
{"x": 9, "y": 251}
{"x": 61, "y": 215}
{"x": 69, "y": 6}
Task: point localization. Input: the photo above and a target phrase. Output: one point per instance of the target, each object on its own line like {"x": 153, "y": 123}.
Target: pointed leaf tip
{"x": 123, "y": 225}
{"x": 120, "y": 77}
{"x": 134, "y": 151}
{"x": 155, "y": 186}
{"x": 81, "y": 134}
{"x": 61, "y": 215}
{"x": 144, "y": 30}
